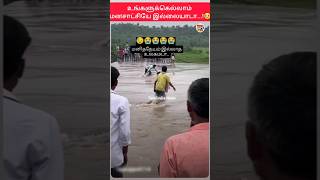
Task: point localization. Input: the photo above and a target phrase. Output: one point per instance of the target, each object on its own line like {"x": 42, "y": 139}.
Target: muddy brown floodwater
{"x": 152, "y": 124}
{"x": 66, "y": 77}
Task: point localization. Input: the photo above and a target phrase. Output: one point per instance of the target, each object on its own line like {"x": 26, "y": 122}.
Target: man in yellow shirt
{"x": 162, "y": 82}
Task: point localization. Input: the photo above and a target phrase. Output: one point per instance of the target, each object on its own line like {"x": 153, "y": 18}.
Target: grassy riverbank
{"x": 195, "y": 55}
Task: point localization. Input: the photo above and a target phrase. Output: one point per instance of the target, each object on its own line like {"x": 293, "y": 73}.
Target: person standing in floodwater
{"x": 162, "y": 82}
{"x": 120, "y": 127}
{"x": 148, "y": 69}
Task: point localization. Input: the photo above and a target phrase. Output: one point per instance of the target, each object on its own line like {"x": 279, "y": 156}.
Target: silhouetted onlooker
{"x": 32, "y": 143}
{"x": 281, "y": 131}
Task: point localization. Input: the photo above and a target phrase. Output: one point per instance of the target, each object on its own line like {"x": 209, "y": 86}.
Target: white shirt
{"x": 32, "y": 143}
{"x": 120, "y": 127}
{"x": 150, "y": 67}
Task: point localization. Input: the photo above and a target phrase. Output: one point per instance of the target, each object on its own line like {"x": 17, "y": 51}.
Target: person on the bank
{"x": 187, "y": 154}
{"x": 120, "y": 127}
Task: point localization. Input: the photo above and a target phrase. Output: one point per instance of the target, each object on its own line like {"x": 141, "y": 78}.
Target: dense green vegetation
{"x": 194, "y": 43}
{"x": 195, "y": 55}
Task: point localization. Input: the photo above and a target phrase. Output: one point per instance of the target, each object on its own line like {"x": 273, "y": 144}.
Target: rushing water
{"x": 153, "y": 123}
{"x": 66, "y": 76}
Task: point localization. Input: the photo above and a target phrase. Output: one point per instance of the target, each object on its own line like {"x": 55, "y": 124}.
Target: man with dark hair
{"x": 120, "y": 127}
{"x": 114, "y": 77}
{"x": 162, "y": 82}
{"x": 281, "y": 131}
{"x": 32, "y": 143}
{"x": 187, "y": 154}
{"x": 16, "y": 41}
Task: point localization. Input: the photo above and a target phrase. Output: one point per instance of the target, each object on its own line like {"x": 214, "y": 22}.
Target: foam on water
{"x": 152, "y": 104}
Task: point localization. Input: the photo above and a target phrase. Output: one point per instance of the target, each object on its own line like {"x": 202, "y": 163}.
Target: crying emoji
{"x": 155, "y": 40}
{"x": 171, "y": 40}
{"x": 147, "y": 40}
{"x": 163, "y": 40}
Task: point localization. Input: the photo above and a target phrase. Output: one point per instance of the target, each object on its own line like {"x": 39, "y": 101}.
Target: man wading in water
{"x": 161, "y": 85}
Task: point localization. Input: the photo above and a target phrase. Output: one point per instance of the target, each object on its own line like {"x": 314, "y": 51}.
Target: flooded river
{"x": 153, "y": 123}
{"x": 66, "y": 76}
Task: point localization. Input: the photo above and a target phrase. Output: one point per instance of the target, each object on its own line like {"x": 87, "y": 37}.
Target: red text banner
{"x": 157, "y": 11}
